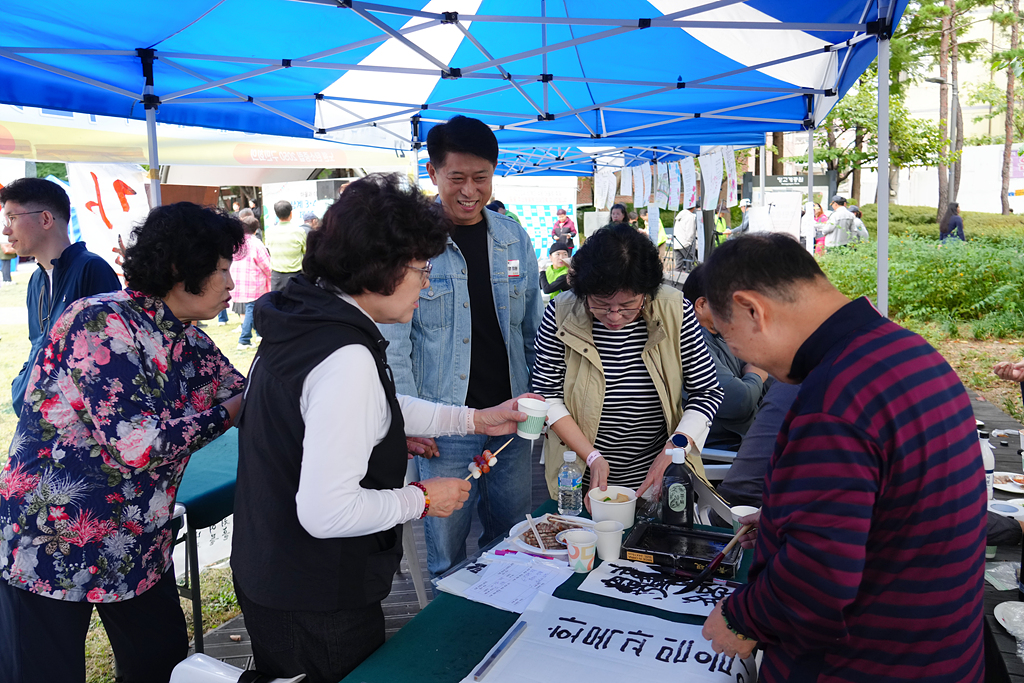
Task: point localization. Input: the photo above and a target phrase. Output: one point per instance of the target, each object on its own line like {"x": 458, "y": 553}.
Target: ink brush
{"x": 682, "y": 573}
{"x": 703, "y": 576}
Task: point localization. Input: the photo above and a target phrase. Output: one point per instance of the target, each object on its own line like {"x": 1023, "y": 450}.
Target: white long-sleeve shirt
{"x": 346, "y": 414}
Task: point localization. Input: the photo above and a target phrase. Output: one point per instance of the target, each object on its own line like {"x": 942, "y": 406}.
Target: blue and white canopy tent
{"x": 542, "y": 73}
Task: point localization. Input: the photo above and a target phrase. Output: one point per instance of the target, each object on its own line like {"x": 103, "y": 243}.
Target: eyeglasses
{"x": 425, "y": 270}
{"x": 8, "y": 217}
{"x": 624, "y": 312}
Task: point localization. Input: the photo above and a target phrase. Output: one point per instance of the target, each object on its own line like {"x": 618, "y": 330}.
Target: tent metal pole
{"x": 150, "y": 101}
{"x": 810, "y": 181}
{"x": 764, "y": 168}
{"x": 154, "y": 160}
{"x": 883, "y": 175}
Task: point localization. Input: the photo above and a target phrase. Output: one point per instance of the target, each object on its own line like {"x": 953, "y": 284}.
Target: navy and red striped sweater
{"x": 869, "y": 563}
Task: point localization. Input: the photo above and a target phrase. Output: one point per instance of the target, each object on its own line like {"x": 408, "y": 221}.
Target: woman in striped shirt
{"x": 620, "y": 358}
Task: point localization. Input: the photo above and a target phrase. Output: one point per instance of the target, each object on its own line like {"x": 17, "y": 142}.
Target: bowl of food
{"x": 616, "y": 504}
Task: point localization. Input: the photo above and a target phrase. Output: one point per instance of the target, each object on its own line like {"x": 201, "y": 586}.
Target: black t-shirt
{"x": 489, "y": 379}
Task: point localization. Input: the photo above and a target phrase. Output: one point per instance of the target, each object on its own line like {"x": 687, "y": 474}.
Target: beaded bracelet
{"x": 426, "y": 498}
{"x": 729, "y": 626}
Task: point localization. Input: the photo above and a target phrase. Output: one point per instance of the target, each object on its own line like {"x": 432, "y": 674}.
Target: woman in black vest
{"x": 321, "y": 499}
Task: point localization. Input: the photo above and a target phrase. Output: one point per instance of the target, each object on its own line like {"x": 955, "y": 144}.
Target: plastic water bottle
{"x": 570, "y": 486}
{"x": 677, "y": 492}
{"x": 988, "y": 459}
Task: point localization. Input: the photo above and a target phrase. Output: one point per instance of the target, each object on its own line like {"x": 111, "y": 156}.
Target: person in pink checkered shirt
{"x": 251, "y": 272}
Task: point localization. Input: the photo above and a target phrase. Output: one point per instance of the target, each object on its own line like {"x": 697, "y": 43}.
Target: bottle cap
{"x": 678, "y": 455}
{"x": 569, "y": 456}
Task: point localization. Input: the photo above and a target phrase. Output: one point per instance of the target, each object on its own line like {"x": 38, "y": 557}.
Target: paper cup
{"x": 537, "y": 411}
{"x": 582, "y": 545}
{"x": 602, "y": 510}
{"x": 740, "y": 511}
{"x": 609, "y": 540}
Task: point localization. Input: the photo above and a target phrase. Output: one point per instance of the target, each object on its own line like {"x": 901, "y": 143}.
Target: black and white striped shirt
{"x": 632, "y": 431}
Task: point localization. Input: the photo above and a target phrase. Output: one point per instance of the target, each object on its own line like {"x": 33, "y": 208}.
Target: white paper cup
{"x": 582, "y": 546}
{"x": 537, "y": 411}
{"x": 740, "y": 511}
{"x": 602, "y": 510}
{"x": 609, "y": 539}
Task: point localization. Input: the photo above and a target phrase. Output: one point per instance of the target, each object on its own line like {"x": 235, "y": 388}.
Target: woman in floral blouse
{"x": 125, "y": 391}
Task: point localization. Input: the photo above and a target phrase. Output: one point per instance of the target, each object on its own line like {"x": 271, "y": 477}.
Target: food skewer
{"x": 702, "y": 577}
{"x": 480, "y": 465}
{"x": 536, "y": 534}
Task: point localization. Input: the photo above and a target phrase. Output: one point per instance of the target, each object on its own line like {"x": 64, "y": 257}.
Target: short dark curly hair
{"x": 180, "y": 242}
{"x": 367, "y": 238}
{"x": 615, "y": 259}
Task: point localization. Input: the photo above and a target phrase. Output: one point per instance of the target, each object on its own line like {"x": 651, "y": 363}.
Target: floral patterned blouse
{"x": 118, "y": 400}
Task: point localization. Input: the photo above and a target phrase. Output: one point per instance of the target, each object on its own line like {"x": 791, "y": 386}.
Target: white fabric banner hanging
{"x": 661, "y": 188}
{"x": 110, "y": 199}
{"x": 604, "y": 189}
{"x": 626, "y": 187}
{"x": 645, "y": 174}
{"x": 673, "y": 187}
{"x": 565, "y": 640}
{"x": 653, "y": 223}
{"x": 689, "y": 172}
{"x": 730, "y": 174}
{"x": 711, "y": 174}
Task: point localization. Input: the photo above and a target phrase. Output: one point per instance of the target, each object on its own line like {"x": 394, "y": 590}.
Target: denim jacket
{"x": 430, "y": 355}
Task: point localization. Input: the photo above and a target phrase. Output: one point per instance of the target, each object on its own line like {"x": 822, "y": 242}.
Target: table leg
{"x": 197, "y": 599}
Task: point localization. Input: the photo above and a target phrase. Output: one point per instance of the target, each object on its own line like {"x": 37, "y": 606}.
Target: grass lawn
{"x": 971, "y": 358}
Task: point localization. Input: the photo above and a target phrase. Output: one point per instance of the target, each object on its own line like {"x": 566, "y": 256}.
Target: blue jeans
{"x": 222, "y": 317}
{"x": 246, "y": 335}
{"x": 501, "y": 497}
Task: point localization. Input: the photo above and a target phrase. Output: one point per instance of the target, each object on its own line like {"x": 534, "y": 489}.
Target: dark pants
{"x": 5, "y": 268}
{"x": 42, "y": 639}
{"x": 279, "y": 280}
{"x": 326, "y": 646}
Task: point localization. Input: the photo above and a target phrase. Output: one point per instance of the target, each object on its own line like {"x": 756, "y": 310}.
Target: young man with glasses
{"x": 471, "y": 339}
{"x": 35, "y": 219}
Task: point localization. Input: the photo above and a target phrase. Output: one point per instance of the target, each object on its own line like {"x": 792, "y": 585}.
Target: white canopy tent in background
{"x": 660, "y": 73}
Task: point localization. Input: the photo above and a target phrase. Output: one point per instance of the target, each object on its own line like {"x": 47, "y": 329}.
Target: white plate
{"x": 1005, "y": 609}
{"x": 518, "y": 529}
{"x": 1007, "y": 508}
{"x": 1010, "y": 487}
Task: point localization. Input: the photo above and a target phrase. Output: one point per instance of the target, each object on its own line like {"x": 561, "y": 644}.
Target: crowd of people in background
{"x": 395, "y": 325}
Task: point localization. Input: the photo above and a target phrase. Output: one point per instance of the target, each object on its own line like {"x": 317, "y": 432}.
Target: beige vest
{"x": 584, "y": 377}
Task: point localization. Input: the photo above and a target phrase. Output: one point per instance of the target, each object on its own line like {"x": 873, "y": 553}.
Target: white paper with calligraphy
{"x": 637, "y": 582}
{"x": 574, "y": 641}
{"x": 730, "y": 174}
{"x": 689, "y": 171}
{"x": 711, "y": 170}
{"x": 673, "y": 186}
{"x": 110, "y": 200}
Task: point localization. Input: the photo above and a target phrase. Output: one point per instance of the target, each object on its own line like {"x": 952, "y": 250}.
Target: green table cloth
{"x": 208, "y": 488}
{"x": 451, "y": 635}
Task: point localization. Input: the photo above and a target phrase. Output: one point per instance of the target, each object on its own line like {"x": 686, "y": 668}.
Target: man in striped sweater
{"x": 869, "y": 557}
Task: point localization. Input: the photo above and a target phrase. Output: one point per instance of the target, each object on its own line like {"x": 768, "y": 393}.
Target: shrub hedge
{"x": 951, "y": 282}
{"x": 921, "y": 221}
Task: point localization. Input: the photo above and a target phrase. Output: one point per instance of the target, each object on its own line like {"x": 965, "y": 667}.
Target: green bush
{"x": 980, "y": 282}
{"x": 921, "y": 221}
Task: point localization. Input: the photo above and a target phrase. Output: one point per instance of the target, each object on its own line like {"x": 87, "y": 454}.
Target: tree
{"x": 847, "y": 140}
{"x": 1013, "y": 114}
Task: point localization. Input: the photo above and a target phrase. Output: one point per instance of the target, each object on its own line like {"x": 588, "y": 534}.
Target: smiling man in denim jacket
{"x": 471, "y": 340}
